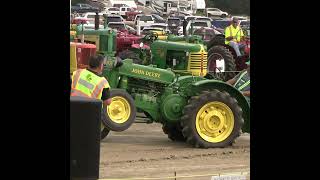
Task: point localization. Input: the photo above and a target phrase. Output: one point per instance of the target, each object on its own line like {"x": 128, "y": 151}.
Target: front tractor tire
{"x": 211, "y": 120}
{"x": 121, "y": 113}
{"x": 174, "y": 132}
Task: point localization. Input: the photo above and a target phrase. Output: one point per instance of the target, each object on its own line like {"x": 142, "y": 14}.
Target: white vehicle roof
{"x": 196, "y": 20}
{"x": 91, "y": 26}
{"x": 241, "y": 17}
{"x": 159, "y": 24}
{"x": 117, "y": 23}
{"x": 154, "y": 28}
{"x": 112, "y": 7}
{"x": 192, "y": 16}
{"x": 124, "y": 2}
{"x": 213, "y": 8}
{"x": 91, "y": 13}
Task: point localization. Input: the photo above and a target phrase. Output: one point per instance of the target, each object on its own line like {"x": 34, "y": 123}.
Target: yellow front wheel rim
{"x": 214, "y": 122}
{"x": 119, "y": 110}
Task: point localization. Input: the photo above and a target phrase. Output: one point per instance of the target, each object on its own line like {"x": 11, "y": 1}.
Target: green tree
{"x": 77, "y": 1}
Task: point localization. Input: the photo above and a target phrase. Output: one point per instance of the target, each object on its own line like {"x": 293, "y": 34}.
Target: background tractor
{"x": 222, "y": 60}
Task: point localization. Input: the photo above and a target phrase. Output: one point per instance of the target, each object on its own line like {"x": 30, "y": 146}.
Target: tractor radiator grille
{"x": 194, "y": 65}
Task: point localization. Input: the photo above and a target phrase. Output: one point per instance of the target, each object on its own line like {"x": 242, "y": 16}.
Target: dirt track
{"x": 145, "y": 151}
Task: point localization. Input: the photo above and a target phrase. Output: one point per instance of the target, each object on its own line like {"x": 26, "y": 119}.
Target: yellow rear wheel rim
{"x": 119, "y": 110}
{"x": 214, "y": 122}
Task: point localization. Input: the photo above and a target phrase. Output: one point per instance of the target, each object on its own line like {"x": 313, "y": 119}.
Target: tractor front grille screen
{"x": 198, "y": 63}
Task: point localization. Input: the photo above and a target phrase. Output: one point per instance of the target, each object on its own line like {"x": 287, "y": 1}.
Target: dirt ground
{"x": 145, "y": 151}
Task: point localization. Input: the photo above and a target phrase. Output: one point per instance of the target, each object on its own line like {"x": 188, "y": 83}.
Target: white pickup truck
{"x": 144, "y": 20}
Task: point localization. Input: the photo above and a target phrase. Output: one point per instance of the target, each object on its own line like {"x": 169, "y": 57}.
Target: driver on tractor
{"x": 234, "y": 35}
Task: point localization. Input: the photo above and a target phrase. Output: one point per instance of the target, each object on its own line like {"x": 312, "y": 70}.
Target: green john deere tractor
{"x": 204, "y": 113}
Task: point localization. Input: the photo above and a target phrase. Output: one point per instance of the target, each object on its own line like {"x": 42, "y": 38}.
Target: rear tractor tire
{"x": 221, "y": 63}
{"x": 211, "y": 120}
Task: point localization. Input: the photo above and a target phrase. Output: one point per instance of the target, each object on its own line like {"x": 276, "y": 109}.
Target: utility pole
{"x": 178, "y": 6}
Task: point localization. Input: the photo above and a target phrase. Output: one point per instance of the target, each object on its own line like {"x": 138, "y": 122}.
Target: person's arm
{"x": 242, "y": 38}
{"x": 231, "y": 81}
{"x": 246, "y": 93}
{"x": 106, "y": 97}
{"x": 234, "y": 79}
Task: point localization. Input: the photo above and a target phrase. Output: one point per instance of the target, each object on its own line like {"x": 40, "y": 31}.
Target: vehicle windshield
{"x": 201, "y": 24}
{"x": 174, "y": 21}
{"x": 145, "y": 18}
{"x": 203, "y": 19}
{"x": 114, "y": 19}
{"x": 158, "y": 17}
{"x": 245, "y": 23}
{"x": 117, "y": 26}
{"x": 190, "y": 18}
{"x": 93, "y": 16}
{"x": 221, "y": 24}
{"x": 183, "y": 9}
{"x": 158, "y": 26}
{"x": 113, "y": 9}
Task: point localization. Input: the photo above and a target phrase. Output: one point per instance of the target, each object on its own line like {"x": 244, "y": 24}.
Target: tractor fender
{"x": 207, "y": 84}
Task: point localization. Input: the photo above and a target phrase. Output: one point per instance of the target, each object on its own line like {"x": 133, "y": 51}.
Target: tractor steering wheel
{"x": 152, "y": 36}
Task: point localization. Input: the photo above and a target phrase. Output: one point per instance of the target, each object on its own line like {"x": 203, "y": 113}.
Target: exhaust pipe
{"x": 96, "y": 21}
{"x": 185, "y": 27}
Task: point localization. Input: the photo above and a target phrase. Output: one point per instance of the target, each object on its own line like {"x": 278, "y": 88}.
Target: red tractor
{"x": 222, "y": 57}
{"x": 128, "y": 46}
{"x": 125, "y": 40}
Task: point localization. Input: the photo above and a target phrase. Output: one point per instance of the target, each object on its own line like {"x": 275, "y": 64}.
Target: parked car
{"x": 173, "y": 24}
{"x": 158, "y": 19}
{"x": 113, "y": 18}
{"x": 216, "y": 12}
{"x": 112, "y": 10}
{"x": 241, "y": 17}
{"x": 188, "y": 18}
{"x": 204, "y": 18}
{"x": 131, "y": 30}
{"x": 197, "y": 24}
{"x": 117, "y": 25}
{"x": 200, "y": 23}
{"x": 91, "y": 17}
{"x": 163, "y": 26}
{"x": 85, "y": 22}
{"x": 120, "y": 5}
{"x": 144, "y": 20}
{"x": 245, "y": 25}
{"x": 83, "y": 8}
{"x": 222, "y": 24}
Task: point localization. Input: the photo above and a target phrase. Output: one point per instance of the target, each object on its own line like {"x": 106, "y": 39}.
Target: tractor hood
{"x": 178, "y": 46}
{"x": 150, "y": 73}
